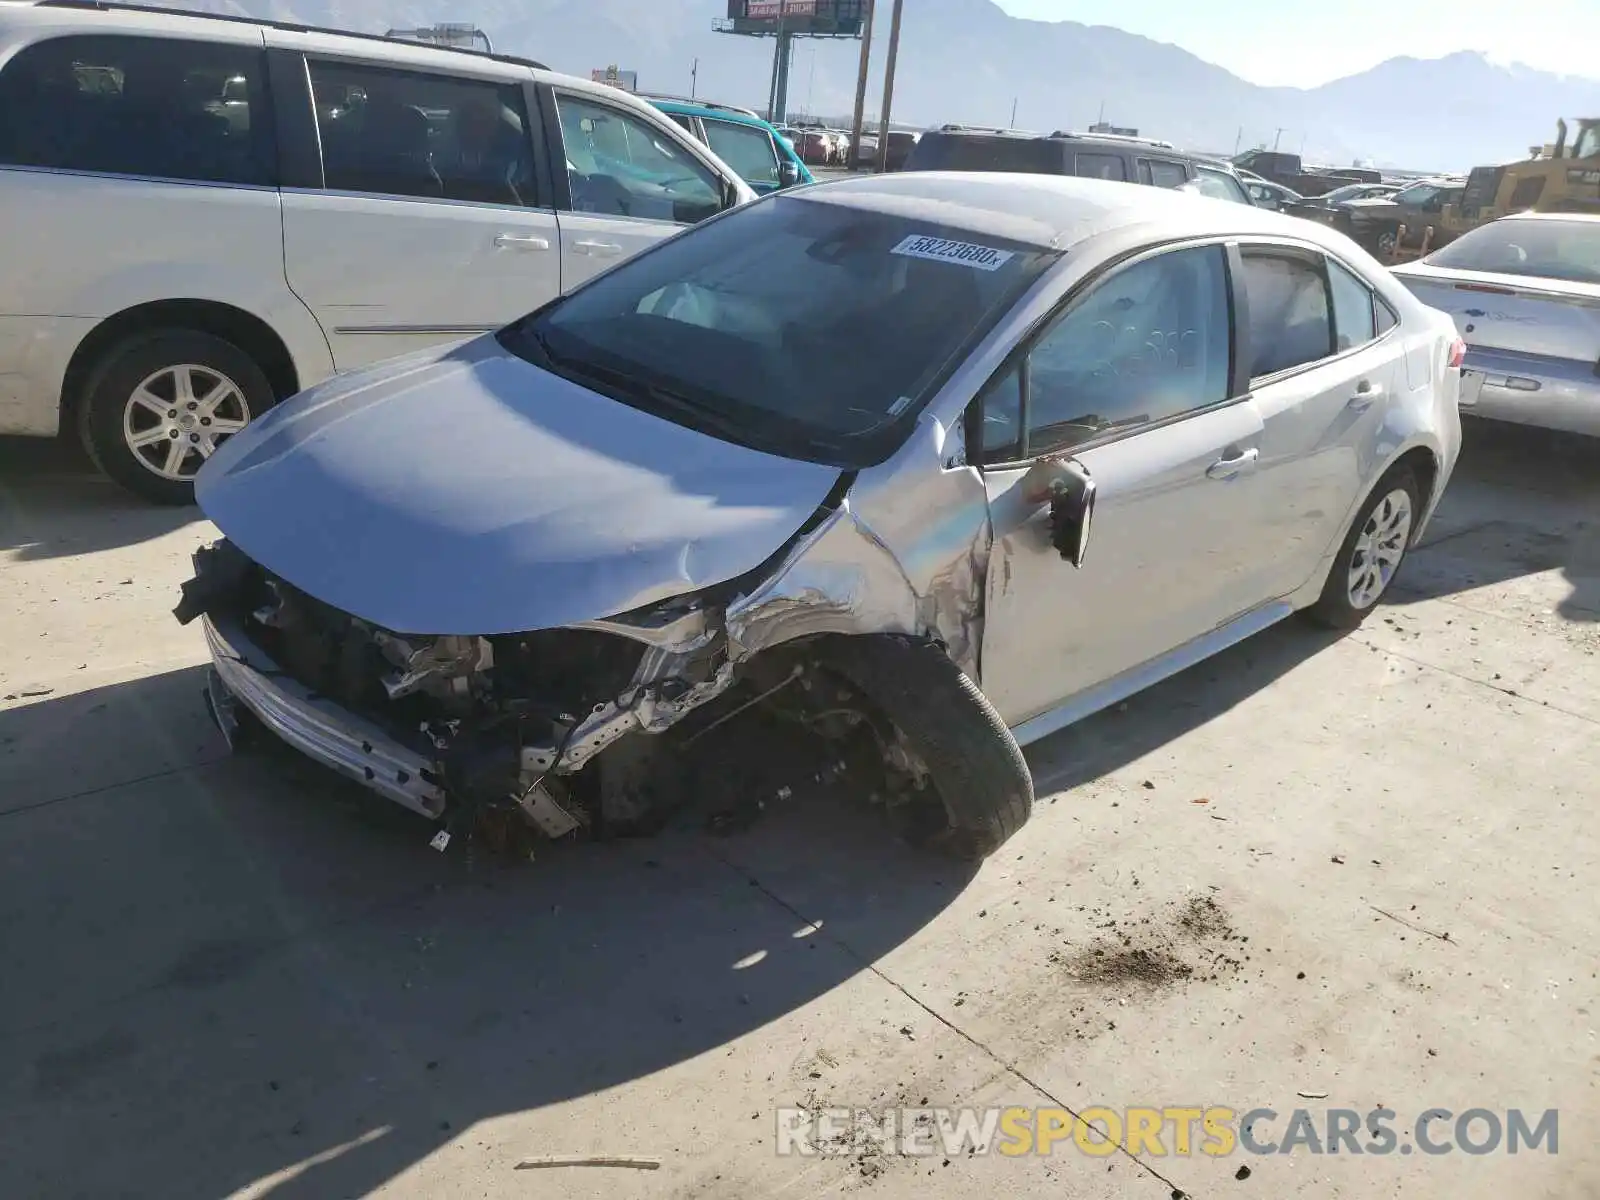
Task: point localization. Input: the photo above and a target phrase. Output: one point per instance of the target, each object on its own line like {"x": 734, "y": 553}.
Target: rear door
{"x": 624, "y": 181}
{"x": 418, "y": 213}
{"x": 1322, "y": 377}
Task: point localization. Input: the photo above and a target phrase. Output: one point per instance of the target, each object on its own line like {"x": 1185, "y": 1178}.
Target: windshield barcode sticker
{"x": 984, "y": 258}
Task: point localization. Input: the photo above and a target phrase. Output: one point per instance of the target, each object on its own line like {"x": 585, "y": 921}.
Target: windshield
{"x": 1544, "y": 248}
{"x": 796, "y": 325}
{"x": 1349, "y": 192}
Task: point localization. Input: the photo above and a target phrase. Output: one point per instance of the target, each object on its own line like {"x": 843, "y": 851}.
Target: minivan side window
{"x": 619, "y": 164}
{"x": 154, "y": 107}
{"x": 1291, "y": 318}
{"x": 411, "y": 133}
{"x": 1150, "y": 342}
{"x": 745, "y": 148}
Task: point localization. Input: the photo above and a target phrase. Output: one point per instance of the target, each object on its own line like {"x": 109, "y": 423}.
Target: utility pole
{"x": 1013, "y": 124}
{"x": 888, "y": 86}
{"x": 1237, "y": 138}
{"x": 694, "y": 78}
{"x": 1278, "y": 137}
{"x": 861, "y": 85}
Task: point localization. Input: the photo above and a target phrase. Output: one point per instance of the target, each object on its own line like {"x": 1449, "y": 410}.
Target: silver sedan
{"x": 929, "y": 465}
{"x": 1525, "y": 292}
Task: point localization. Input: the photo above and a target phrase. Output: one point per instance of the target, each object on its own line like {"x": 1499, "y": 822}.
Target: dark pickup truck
{"x": 1290, "y": 172}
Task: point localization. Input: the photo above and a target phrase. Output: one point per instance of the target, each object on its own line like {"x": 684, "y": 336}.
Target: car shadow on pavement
{"x": 1473, "y": 545}
{"x": 1125, "y": 733}
{"x": 54, "y": 504}
{"x": 236, "y": 970}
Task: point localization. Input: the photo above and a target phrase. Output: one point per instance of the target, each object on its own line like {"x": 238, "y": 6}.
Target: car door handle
{"x": 598, "y": 249}
{"x": 1227, "y": 468}
{"x": 518, "y": 242}
{"x": 1367, "y": 394}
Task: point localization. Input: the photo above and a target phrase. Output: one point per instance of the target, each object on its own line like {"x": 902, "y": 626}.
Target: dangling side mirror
{"x": 1065, "y": 484}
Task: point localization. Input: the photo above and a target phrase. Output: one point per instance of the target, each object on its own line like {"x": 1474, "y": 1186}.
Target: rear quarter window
{"x": 162, "y": 108}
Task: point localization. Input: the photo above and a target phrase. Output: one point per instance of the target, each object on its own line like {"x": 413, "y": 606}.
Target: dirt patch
{"x": 1189, "y": 940}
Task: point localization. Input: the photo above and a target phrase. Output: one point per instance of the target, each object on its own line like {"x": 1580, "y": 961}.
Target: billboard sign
{"x": 771, "y": 10}
{"x": 628, "y": 81}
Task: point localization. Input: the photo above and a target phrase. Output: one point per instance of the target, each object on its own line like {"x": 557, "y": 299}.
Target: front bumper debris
{"x": 325, "y": 732}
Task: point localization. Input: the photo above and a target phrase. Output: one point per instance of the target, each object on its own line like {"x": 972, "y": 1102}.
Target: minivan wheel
{"x": 980, "y": 789}
{"x": 1371, "y": 553}
{"x": 159, "y": 404}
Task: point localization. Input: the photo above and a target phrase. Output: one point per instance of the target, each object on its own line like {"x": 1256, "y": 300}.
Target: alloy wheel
{"x": 1379, "y": 549}
{"x": 177, "y": 417}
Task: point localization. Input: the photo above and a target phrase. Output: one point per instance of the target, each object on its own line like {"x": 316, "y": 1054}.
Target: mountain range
{"x": 968, "y": 61}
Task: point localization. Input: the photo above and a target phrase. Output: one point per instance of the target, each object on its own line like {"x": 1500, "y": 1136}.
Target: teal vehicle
{"x": 762, "y": 156}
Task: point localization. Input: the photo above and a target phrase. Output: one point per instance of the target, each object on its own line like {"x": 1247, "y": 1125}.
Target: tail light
{"x": 1458, "y": 353}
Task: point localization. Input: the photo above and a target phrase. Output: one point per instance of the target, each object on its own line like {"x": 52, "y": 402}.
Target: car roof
{"x": 1052, "y": 211}
{"x": 1585, "y": 218}
{"x": 162, "y": 15}
{"x": 689, "y": 108}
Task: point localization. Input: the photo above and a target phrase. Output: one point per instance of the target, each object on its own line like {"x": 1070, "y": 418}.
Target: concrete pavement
{"x": 1312, "y": 872}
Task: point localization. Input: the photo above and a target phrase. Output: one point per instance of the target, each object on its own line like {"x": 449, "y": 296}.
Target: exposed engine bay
{"x": 578, "y": 731}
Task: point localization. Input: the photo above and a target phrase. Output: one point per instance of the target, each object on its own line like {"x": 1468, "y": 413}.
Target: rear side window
{"x": 408, "y": 133}
{"x": 153, "y": 107}
{"x": 1161, "y": 172}
{"x": 1354, "y": 323}
{"x": 1291, "y": 319}
{"x": 1101, "y": 166}
{"x": 746, "y": 148}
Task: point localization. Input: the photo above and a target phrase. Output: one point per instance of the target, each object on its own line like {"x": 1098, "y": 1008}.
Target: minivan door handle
{"x": 1227, "y": 468}
{"x": 519, "y": 242}
{"x": 1367, "y": 394}
{"x": 598, "y": 249}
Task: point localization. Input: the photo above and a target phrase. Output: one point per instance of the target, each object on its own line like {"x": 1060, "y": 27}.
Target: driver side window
{"x": 619, "y": 164}
{"x": 1150, "y": 342}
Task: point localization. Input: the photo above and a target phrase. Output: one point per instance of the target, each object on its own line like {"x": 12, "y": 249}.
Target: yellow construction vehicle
{"x": 1563, "y": 176}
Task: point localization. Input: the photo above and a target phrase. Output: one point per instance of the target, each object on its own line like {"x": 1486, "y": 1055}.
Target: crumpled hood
{"x": 465, "y": 491}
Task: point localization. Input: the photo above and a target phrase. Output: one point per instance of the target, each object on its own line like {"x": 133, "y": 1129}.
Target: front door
{"x": 432, "y": 225}
{"x": 631, "y": 184}
{"x": 1133, "y": 380}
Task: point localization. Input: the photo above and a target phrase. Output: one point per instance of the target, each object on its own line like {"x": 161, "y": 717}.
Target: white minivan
{"x": 204, "y": 215}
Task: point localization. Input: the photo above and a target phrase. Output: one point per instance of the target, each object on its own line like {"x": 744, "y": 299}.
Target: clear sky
{"x": 1307, "y": 43}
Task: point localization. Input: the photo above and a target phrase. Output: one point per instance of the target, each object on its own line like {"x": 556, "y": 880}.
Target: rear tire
{"x": 975, "y": 766}
{"x": 1371, "y": 554}
{"x": 156, "y": 404}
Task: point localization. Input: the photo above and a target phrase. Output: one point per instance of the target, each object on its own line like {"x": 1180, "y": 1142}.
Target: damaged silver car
{"x": 927, "y": 466}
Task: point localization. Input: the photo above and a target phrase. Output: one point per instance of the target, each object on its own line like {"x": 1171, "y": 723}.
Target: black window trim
{"x": 305, "y": 102}
{"x": 555, "y": 148}
{"x": 270, "y": 133}
{"x": 1318, "y": 257}
{"x": 1016, "y": 358}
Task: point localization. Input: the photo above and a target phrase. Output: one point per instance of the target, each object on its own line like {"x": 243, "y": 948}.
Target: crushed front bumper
{"x": 241, "y": 674}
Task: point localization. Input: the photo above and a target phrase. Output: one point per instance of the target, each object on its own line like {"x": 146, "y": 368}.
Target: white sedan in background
{"x": 1525, "y": 294}
{"x": 930, "y": 464}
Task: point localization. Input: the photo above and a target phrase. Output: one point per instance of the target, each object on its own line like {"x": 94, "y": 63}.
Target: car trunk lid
{"x": 1544, "y": 317}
